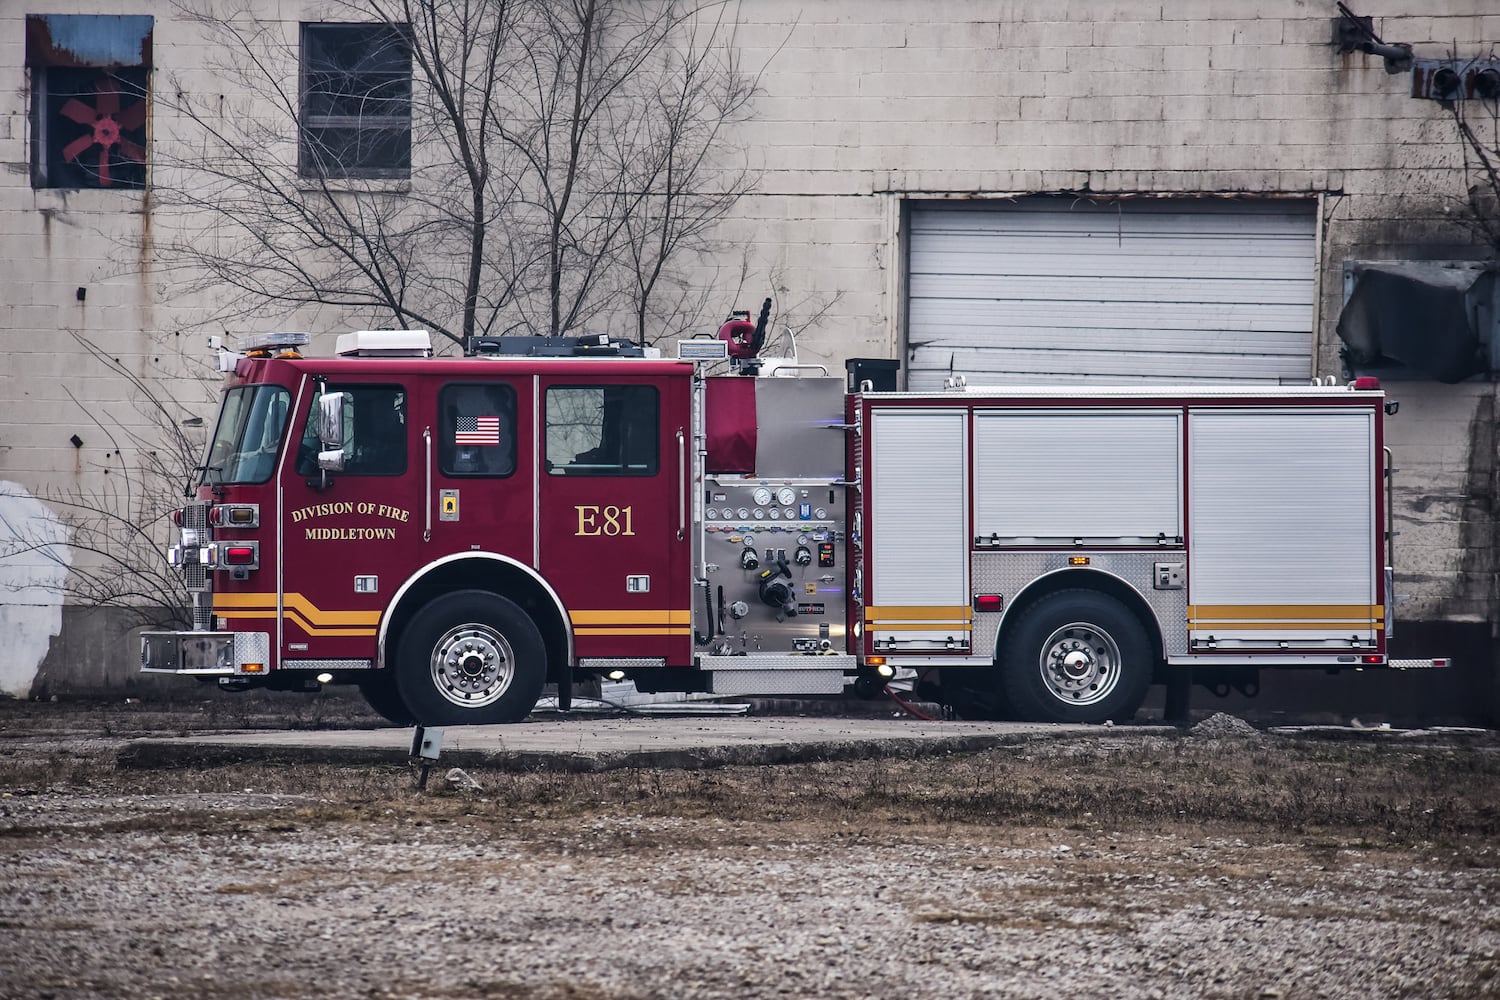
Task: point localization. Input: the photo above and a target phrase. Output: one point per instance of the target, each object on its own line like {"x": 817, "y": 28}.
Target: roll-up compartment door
{"x": 1282, "y": 543}
{"x": 919, "y": 530}
{"x": 1099, "y": 477}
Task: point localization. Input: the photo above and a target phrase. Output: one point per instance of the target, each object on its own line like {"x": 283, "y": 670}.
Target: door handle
{"x": 427, "y": 473}
{"x": 681, "y": 485}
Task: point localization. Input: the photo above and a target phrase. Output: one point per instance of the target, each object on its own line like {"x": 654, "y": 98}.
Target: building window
{"x": 602, "y": 430}
{"x": 477, "y": 430}
{"x": 89, "y": 99}
{"x": 356, "y": 101}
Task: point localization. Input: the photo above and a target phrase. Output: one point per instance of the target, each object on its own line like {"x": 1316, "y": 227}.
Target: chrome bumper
{"x": 205, "y": 654}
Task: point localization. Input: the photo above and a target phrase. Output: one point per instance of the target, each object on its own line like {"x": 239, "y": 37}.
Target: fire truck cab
{"x": 452, "y": 534}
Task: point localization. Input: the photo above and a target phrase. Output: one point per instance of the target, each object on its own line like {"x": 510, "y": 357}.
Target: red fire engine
{"x": 452, "y": 534}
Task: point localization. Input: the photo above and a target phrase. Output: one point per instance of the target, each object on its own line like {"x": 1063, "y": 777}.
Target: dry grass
{"x": 1354, "y": 792}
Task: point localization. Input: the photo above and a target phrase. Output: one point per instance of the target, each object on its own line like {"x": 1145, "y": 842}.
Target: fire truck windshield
{"x": 247, "y": 438}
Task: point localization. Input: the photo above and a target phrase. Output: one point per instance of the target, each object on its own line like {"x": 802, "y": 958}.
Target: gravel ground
{"x": 319, "y": 882}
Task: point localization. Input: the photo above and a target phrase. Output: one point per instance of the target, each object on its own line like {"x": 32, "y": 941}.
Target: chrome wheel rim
{"x": 472, "y": 665}
{"x": 1080, "y": 664}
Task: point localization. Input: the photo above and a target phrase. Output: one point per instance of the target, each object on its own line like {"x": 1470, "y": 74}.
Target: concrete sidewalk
{"x": 594, "y": 744}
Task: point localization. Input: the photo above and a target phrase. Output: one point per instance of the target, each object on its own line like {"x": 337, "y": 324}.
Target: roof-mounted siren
{"x": 384, "y": 344}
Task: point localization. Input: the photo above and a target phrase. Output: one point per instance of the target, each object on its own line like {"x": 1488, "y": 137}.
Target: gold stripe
{"x": 296, "y": 619}
{"x": 909, "y": 612}
{"x": 921, "y": 627}
{"x": 632, "y": 631}
{"x": 1282, "y": 611}
{"x": 295, "y": 602}
{"x": 1208, "y": 625}
{"x": 628, "y": 616}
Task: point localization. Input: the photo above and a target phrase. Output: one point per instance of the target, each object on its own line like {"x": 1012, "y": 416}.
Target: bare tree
{"x": 560, "y": 153}
{"x": 1481, "y": 146}
{"x": 120, "y": 526}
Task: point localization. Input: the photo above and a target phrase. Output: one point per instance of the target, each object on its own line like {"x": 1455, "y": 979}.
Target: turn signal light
{"x": 177, "y": 517}
{"x": 1372, "y": 658}
{"x": 235, "y": 515}
{"x": 253, "y": 668}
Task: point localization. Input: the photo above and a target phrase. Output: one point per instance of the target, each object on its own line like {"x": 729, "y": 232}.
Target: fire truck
{"x": 454, "y": 534}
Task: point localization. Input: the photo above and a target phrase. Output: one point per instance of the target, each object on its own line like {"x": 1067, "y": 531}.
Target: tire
{"x": 1076, "y": 656}
{"x": 470, "y": 658}
{"x": 380, "y": 693}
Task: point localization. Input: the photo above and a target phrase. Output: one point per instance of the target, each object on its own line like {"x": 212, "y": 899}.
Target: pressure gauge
{"x": 749, "y": 541}
{"x": 820, "y": 513}
{"x": 744, "y": 513}
{"x": 758, "y": 514}
{"x": 775, "y": 513}
{"x": 786, "y": 496}
{"x": 711, "y": 513}
{"x": 762, "y": 497}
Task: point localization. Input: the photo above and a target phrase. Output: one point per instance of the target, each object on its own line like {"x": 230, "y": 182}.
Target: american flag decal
{"x": 477, "y": 430}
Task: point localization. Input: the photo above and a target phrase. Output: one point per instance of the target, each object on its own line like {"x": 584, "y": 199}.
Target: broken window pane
{"x": 89, "y": 99}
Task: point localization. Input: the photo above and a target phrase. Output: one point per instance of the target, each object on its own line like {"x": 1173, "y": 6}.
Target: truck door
{"x": 347, "y": 537}
{"x": 483, "y": 468}
{"x": 612, "y": 484}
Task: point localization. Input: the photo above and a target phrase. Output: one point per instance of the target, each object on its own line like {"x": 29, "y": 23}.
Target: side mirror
{"x": 331, "y": 461}
{"x": 331, "y": 420}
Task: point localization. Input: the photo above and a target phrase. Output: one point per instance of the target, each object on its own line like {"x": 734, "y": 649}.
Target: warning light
{"x": 876, "y": 661}
{"x": 988, "y": 602}
{"x": 177, "y": 517}
{"x": 1372, "y": 658}
{"x": 239, "y": 555}
{"x": 1367, "y": 382}
{"x": 1078, "y": 560}
{"x": 252, "y": 668}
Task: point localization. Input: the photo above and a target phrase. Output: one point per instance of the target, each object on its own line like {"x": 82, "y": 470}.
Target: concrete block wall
{"x": 864, "y": 105}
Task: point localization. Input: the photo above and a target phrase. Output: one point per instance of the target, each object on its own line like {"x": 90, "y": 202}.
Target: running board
{"x": 778, "y": 673}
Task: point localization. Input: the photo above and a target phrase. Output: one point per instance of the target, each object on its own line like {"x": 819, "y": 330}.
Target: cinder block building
{"x": 1026, "y": 192}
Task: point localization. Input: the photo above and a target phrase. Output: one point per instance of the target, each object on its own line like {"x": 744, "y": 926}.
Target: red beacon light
{"x": 1366, "y": 383}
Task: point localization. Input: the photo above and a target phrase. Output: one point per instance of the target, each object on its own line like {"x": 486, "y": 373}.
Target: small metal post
{"x": 425, "y": 749}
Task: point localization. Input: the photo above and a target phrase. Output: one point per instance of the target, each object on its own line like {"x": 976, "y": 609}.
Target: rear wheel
{"x": 470, "y": 658}
{"x": 1076, "y": 656}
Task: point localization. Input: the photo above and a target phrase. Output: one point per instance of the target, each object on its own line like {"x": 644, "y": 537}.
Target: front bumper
{"x": 206, "y": 654}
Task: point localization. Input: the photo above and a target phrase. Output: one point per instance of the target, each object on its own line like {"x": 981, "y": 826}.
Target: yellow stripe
{"x": 1262, "y": 612}
{"x": 908, "y": 612}
{"x": 298, "y": 620}
{"x": 920, "y": 627}
{"x": 632, "y": 631}
{"x": 224, "y": 602}
{"x": 1205, "y": 625}
{"x": 628, "y": 616}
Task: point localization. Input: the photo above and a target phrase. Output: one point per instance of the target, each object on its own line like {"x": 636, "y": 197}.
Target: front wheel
{"x": 379, "y": 690}
{"x": 470, "y": 658}
{"x": 1076, "y": 656}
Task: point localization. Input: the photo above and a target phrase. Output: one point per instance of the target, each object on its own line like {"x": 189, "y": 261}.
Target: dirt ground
{"x": 1222, "y": 864}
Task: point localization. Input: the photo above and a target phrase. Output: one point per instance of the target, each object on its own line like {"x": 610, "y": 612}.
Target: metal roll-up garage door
{"x": 1064, "y": 290}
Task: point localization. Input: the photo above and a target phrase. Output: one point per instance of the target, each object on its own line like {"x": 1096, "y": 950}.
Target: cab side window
{"x": 477, "y": 433}
{"x": 374, "y": 432}
{"x": 603, "y": 430}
